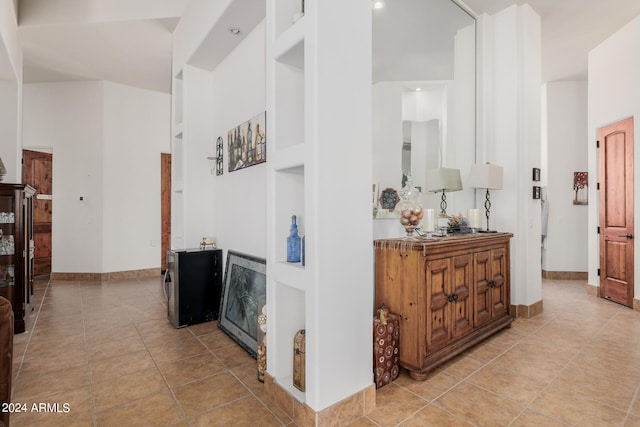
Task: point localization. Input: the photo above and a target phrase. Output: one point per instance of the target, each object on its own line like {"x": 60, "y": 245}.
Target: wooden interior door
{"x": 165, "y": 196}
{"x": 615, "y": 175}
{"x": 37, "y": 171}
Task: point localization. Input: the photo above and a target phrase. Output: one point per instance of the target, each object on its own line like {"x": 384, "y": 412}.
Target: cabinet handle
{"x": 493, "y": 284}
{"x": 452, "y": 297}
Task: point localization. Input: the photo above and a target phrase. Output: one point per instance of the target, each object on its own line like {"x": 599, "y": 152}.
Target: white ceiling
{"x": 129, "y": 41}
{"x": 570, "y": 29}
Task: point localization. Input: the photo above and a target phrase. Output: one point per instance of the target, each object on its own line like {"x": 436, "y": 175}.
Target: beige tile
{"x": 343, "y": 412}
{"x": 462, "y": 366}
{"x": 176, "y": 349}
{"x": 127, "y": 388}
{"x": 233, "y": 356}
{"x": 435, "y": 385}
{"x": 590, "y": 372}
{"x": 507, "y": 383}
{"x": 577, "y": 383}
{"x": 116, "y": 347}
{"x": 117, "y": 366}
{"x": 434, "y": 416}
{"x": 41, "y": 384}
{"x": 479, "y": 406}
{"x": 235, "y": 414}
{"x": 204, "y": 328}
{"x": 363, "y": 422}
{"x": 155, "y": 410}
{"x": 192, "y": 368}
{"x": 538, "y": 366}
{"x": 632, "y": 421}
{"x": 395, "y": 404}
{"x": 577, "y": 411}
{"x": 200, "y": 396}
{"x": 530, "y": 418}
{"x": 72, "y": 407}
{"x": 216, "y": 340}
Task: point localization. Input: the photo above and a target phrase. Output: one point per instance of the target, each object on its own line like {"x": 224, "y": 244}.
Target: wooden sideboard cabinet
{"x": 450, "y": 293}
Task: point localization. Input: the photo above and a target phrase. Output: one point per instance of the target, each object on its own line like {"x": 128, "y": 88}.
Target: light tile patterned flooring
{"x": 107, "y": 350}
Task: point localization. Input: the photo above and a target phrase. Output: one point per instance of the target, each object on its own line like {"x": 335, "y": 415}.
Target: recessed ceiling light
{"x": 378, "y": 4}
{"x": 234, "y": 30}
{"x": 418, "y": 89}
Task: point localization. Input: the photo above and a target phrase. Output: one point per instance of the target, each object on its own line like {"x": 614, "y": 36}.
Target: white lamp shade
{"x": 443, "y": 179}
{"x": 485, "y": 176}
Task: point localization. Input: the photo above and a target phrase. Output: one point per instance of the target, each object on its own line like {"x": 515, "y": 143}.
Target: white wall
{"x": 106, "y": 141}
{"x": 135, "y": 132}
{"x": 614, "y": 94}
{"x": 509, "y": 135}
{"x": 240, "y": 196}
{"x": 230, "y": 207}
{"x": 68, "y": 118}
{"x": 565, "y": 248}
{"x": 10, "y": 93}
{"x": 198, "y": 143}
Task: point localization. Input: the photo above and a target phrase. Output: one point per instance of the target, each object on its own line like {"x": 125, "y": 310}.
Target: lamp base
{"x": 487, "y": 231}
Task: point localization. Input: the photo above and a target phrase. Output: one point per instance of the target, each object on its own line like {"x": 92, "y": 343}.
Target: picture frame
{"x": 244, "y": 286}
{"x": 580, "y": 188}
{"x": 247, "y": 143}
{"x": 219, "y": 156}
{"x": 389, "y": 199}
{"x": 536, "y": 174}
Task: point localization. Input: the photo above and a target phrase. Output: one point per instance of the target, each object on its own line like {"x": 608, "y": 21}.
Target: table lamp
{"x": 486, "y": 176}
{"x": 445, "y": 180}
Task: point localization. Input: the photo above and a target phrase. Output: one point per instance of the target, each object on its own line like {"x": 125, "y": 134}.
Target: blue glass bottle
{"x": 293, "y": 242}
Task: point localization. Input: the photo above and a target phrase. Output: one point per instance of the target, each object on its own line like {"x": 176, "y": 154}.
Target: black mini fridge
{"x": 192, "y": 283}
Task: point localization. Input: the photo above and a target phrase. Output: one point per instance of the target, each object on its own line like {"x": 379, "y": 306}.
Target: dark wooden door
{"x": 37, "y": 171}
{"x": 165, "y": 196}
{"x": 615, "y": 175}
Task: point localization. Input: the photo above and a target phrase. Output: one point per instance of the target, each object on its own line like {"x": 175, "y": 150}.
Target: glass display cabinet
{"x": 16, "y": 249}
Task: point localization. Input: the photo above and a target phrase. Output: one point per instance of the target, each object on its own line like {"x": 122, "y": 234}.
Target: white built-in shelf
{"x": 293, "y": 275}
{"x": 290, "y": 159}
{"x": 289, "y": 47}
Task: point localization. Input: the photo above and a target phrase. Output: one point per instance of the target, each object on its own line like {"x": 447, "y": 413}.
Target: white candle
{"x": 429, "y": 220}
{"x": 474, "y": 218}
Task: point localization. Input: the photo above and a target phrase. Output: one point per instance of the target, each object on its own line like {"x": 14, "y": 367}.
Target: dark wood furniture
{"x": 16, "y": 249}
{"x": 450, "y": 293}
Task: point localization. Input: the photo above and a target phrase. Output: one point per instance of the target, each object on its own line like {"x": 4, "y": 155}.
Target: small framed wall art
{"x": 248, "y": 143}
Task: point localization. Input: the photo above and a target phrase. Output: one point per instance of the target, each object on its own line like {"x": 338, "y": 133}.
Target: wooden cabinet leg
{"x": 419, "y": 376}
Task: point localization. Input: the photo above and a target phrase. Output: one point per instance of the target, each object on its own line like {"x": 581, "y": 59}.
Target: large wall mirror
{"x": 424, "y": 97}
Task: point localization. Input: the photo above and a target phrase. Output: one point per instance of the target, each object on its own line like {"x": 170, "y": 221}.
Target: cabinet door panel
{"x": 438, "y": 290}
{"x": 499, "y": 303}
{"x": 462, "y": 309}
{"x": 482, "y": 289}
